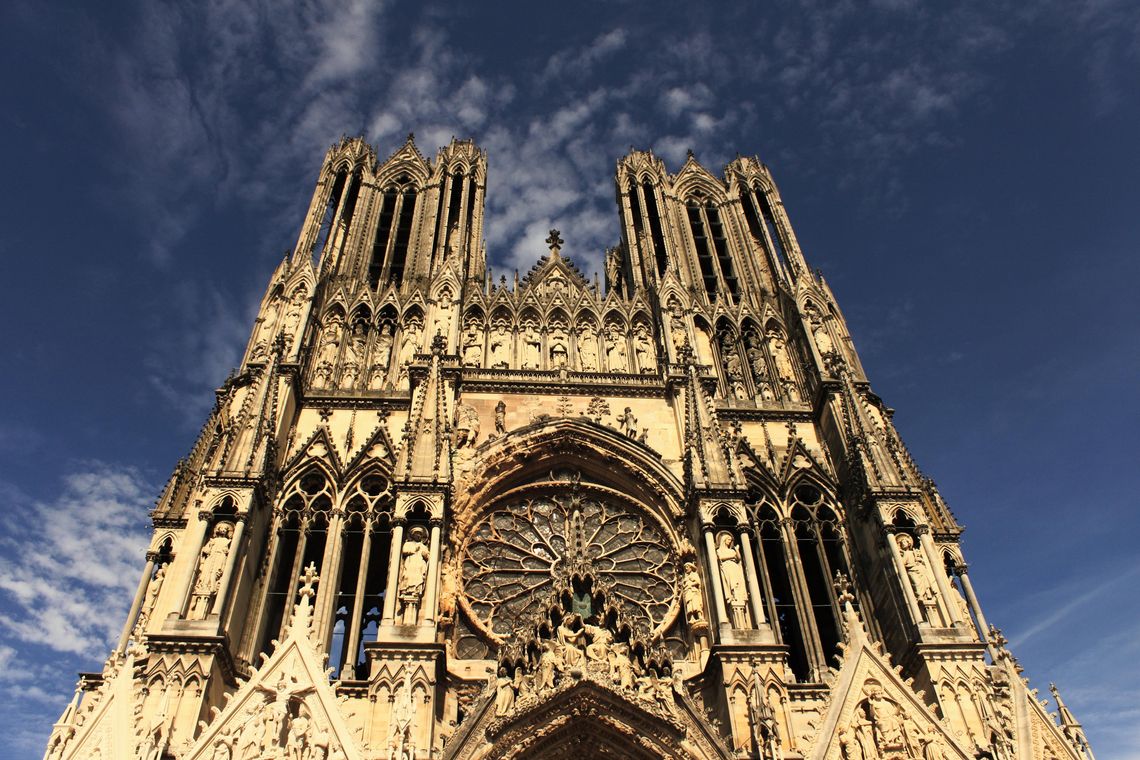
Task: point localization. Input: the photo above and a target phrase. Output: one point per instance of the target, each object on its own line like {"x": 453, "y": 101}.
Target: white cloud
{"x": 69, "y": 566}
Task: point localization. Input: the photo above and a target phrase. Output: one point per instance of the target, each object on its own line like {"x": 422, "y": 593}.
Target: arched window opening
{"x": 301, "y": 534}
{"x": 324, "y": 231}
{"x": 383, "y": 235}
{"x": 403, "y": 235}
{"x": 771, "y": 225}
{"x": 782, "y": 602}
{"x": 817, "y": 577}
{"x": 704, "y": 251}
{"x": 350, "y": 200}
{"x": 720, "y": 245}
{"x": 655, "y": 228}
{"x": 359, "y": 601}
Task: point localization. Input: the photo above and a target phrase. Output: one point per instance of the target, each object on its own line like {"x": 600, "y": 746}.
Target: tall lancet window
{"x": 331, "y": 206}
{"x": 712, "y": 248}
{"x": 770, "y": 224}
{"x": 655, "y": 233}
{"x": 393, "y": 232}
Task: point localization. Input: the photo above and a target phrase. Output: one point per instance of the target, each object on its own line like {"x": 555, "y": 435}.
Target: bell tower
{"x": 435, "y": 516}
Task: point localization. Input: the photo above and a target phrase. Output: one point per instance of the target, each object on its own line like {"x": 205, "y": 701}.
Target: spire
{"x": 711, "y": 461}
{"x": 426, "y": 451}
{"x": 1070, "y": 726}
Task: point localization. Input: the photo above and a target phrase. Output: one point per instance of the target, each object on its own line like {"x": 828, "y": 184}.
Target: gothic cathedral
{"x": 440, "y": 514}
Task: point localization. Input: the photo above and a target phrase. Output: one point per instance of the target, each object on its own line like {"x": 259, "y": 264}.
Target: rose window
{"x": 524, "y": 553}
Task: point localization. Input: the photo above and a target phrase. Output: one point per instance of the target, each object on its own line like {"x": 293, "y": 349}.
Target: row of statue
{"x": 576, "y": 650}
{"x": 558, "y": 347}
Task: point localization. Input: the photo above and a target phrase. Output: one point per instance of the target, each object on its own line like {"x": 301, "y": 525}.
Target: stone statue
{"x": 473, "y": 346}
{"x": 613, "y": 269}
{"x": 211, "y": 567}
{"x": 622, "y": 667}
{"x": 783, "y": 365}
{"x": 915, "y": 567}
{"x": 628, "y": 423}
{"x": 409, "y": 346}
{"x": 549, "y": 662}
{"x": 677, "y": 330}
{"x": 558, "y": 353}
{"x": 500, "y": 347}
{"x": 532, "y": 348}
{"x": 588, "y": 349}
{"x": 413, "y": 574}
{"x": 466, "y": 426}
{"x": 500, "y": 418}
{"x": 442, "y": 322}
{"x": 616, "y": 356}
{"x": 504, "y": 693}
{"x": 572, "y": 642}
{"x": 692, "y": 596}
{"x": 760, "y": 376}
{"x": 381, "y": 358}
{"x": 153, "y": 590}
{"x": 733, "y": 371}
{"x": 601, "y": 640}
{"x": 732, "y": 578}
{"x": 642, "y": 350}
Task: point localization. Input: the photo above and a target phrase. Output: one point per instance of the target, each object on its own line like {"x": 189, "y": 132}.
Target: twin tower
{"x": 436, "y": 515}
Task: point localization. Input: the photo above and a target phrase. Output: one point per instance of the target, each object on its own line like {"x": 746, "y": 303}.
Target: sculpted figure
{"x": 211, "y": 566}
{"x": 600, "y": 642}
{"x": 297, "y": 742}
{"x": 760, "y": 373}
{"x": 613, "y": 268}
{"x": 466, "y": 426}
{"x": 783, "y": 365}
{"x": 622, "y": 666}
{"x": 588, "y": 350}
{"x": 642, "y": 350}
{"x": 500, "y": 347}
{"x": 504, "y": 693}
{"x": 865, "y": 737}
{"x": 733, "y": 371}
{"x": 500, "y": 418}
{"x": 628, "y": 423}
{"x": 409, "y": 346}
{"x": 558, "y": 354}
{"x": 732, "y": 578}
{"x": 413, "y": 574}
{"x": 616, "y": 355}
{"x": 692, "y": 596}
{"x": 916, "y": 571}
{"x": 381, "y": 358}
{"x": 677, "y": 331}
{"x": 572, "y": 642}
{"x": 153, "y": 589}
{"x": 549, "y": 663}
{"x": 473, "y": 346}
{"x": 532, "y": 348}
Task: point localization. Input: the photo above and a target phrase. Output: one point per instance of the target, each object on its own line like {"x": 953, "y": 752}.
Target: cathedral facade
{"x": 438, "y": 515}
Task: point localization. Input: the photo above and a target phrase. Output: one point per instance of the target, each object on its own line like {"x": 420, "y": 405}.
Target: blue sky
{"x": 965, "y": 177}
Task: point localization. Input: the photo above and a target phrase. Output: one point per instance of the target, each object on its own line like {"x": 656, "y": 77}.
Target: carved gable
{"x": 287, "y": 706}
{"x": 873, "y": 713}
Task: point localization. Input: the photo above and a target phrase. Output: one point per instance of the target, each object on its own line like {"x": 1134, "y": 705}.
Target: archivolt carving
{"x": 524, "y": 550}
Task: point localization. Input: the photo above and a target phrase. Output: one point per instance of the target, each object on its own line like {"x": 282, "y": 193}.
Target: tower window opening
{"x": 383, "y": 235}
{"x": 783, "y": 607}
{"x": 403, "y": 234}
{"x": 720, "y": 244}
{"x": 655, "y": 228}
{"x": 771, "y": 226}
{"x": 818, "y": 580}
{"x": 704, "y": 251}
{"x": 323, "y": 232}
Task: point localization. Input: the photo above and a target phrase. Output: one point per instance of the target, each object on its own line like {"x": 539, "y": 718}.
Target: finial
{"x": 689, "y": 153}
{"x": 411, "y": 137}
{"x": 554, "y": 240}
{"x": 842, "y": 586}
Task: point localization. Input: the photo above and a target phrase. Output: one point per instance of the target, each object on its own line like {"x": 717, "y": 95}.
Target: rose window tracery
{"x": 529, "y": 548}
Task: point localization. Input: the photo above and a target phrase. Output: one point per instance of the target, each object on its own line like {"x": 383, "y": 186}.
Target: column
{"x": 330, "y": 575}
{"x": 753, "y": 582}
{"x": 904, "y": 579}
{"x": 723, "y": 620}
{"x": 224, "y": 591}
{"x": 431, "y": 583}
{"x": 193, "y": 551}
{"x": 983, "y": 627}
{"x": 938, "y": 568}
{"x": 348, "y": 672}
{"x": 393, "y": 573}
{"x": 136, "y": 605}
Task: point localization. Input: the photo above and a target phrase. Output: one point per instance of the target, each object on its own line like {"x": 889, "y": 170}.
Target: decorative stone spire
{"x": 554, "y": 240}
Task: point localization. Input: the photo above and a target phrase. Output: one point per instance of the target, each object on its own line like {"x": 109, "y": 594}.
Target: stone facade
{"x": 436, "y": 514}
